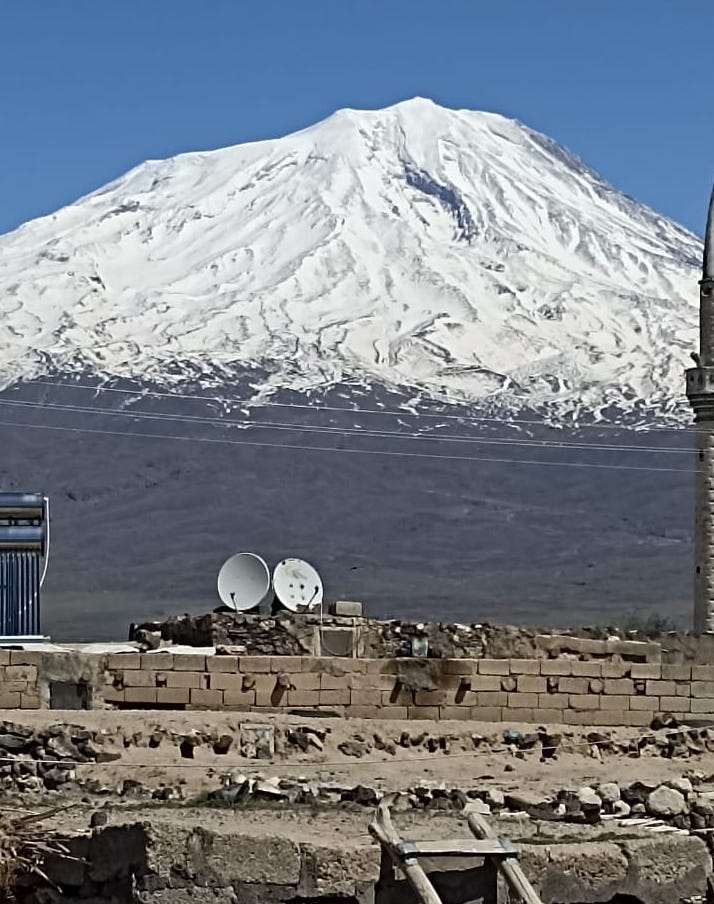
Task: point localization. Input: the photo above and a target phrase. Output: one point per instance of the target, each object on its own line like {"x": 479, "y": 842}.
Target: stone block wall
{"x": 558, "y": 690}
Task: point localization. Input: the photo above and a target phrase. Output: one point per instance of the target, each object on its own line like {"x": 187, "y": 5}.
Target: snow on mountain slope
{"x": 457, "y": 252}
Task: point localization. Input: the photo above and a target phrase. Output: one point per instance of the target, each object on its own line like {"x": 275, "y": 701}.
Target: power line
{"x": 346, "y": 431}
{"x": 269, "y": 403}
{"x": 381, "y": 452}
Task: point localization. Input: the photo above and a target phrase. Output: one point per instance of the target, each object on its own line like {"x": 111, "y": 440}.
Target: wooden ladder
{"x": 406, "y": 854}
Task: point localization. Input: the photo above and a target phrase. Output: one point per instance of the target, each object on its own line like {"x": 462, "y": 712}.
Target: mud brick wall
{"x": 557, "y": 690}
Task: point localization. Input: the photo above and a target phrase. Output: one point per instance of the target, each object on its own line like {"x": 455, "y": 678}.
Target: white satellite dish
{"x": 297, "y": 585}
{"x": 244, "y": 582}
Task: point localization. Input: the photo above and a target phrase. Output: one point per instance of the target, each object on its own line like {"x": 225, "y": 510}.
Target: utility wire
{"x": 381, "y": 452}
{"x": 269, "y": 403}
{"x": 344, "y": 431}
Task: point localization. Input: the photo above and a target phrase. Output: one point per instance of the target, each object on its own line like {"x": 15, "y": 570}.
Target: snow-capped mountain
{"x": 457, "y": 253}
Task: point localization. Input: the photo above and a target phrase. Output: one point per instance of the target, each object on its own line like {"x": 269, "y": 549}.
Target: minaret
{"x": 700, "y": 392}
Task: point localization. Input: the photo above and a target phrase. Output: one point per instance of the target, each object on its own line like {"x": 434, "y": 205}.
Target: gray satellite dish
{"x": 297, "y": 585}
{"x": 244, "y": 582}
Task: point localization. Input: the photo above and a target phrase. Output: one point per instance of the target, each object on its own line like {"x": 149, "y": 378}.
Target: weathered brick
{"x": 703, "y": 673}
{"x": 30, "y": 701}
{"x": 553, "y": 701}
{"x": 27, "y": 673}
{"x": 396, "y": 713}
{"x": 579, "y": 685}
{"x": 305, "y": 681}
{"x": 493, "y": 667}
{"x": 365, "y": 697}
{"x": 382, "y": 667}
{"x": 667, "y": 704}
{"x": 140, "y": 695}
{"x": 424, "y": 712}
{"x": 189, "y": 662}
{"x": 486, "y": 713}
{"x": 646, "y": 670}
{"x": 531, "y": 684}
{"x": 335, "y": 697}
{"x": 173, "y": 696}
{"x": 644, "y": 704}
{"x": 491, "y": 698}
{"x": 657, "y": 688}
{"x": 10, "y": 701}
{"x": 4, "y": 657}
{"x": 397, "y": 697}
{"x": 520, "y": 714}
{"x": 254, "y": 664}
{"x": 698, "y": 688}
{"x": 186, "y": 679}
{"x": 119, "y": 661}
{"x": 486, "y": 683}
{"x": 556, "y": 667}
{"x": 589, "y": 668}
{"x": 676, "y": 672}
{"x": 701, "y": 704}
{"x": 637, "y": 718}
{"x": 138, "y": 678}
{"x": 157, "y": 662}
{"x": 28, "y": 657}
{"x": 584, "y": 702}
{"x": 111, "y": 694}
{"x": 522, "y": 701}
{"x": 303, "y": 698}
{"x": 238, "y": 699}
{"x": 616, "y": 669}
{"x": 459, "y": 667}
{"x": 226, "y": 664}
{"x": 614, "y": 701}
{"x": 364, "y": 711}
{"x": 335, "y": 682}
{"x": 204, "y": 699}
{"x": 543, "y": 715}
{"x": 224, "y": 681}
{"x": 431, "y": 698}
{"x": 621, "y": 686}
{"x": 453, "y": 713}
{"x": 524, "y": 666}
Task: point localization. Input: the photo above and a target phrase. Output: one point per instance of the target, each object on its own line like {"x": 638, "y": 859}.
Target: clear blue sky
{"x": 89, "y": 88}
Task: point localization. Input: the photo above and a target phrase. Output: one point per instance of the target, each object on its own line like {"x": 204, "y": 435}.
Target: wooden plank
{"x": 456, "y": 847}
{"x": 511, "y": 869}
{"x": 383, "y": 830}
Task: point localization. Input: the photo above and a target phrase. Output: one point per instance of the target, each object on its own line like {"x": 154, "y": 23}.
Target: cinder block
{"x": 119, "y": 661}
{"x": 111, "y": 694}
{"x": 584, "y": 702}
{"x": 204, "y": 699}
{"x": 531, "y": 684}
{"x": 363, "y": 712}
{"x": 556, "y": 667}
{"x": 645, "y": 704}
{"x": 10, "y": 701}
{"x": 701, "y": 704}
{"x": 579, "y": 685}
{"x": 226, "y": 664}
{"x": 668, "y": 704}
{"x": 459, "y": 667}
{"x": 543, "y": 715}
{"x": 173, "y": 696}
{"x": 365, "y": 697}
{"x": 522, "y": 701}
{"x": 424, "y": 712}
{"x": 26, "y": 673}
{"x": 493, "y": 667}
{"x": 589, "y": 668}
{"x": 186, "y": 679}
{"x": 431, "y": 698}
{"x": 646, "y": 670}
{"x": 621, "y": 686}
{"x": 139, "y": 678}
{"x": 238, "y": 699}
{"x": 553, "y": 701}
{"x": 394, "y": 712}
{"x": 189, "y": 662}
{"x": 491, "y": 698}
{"x": 30, "y": 701}
{"x": 461, "y": 713}
{"x": 703, "y": 673}
{"x": 337, "y": 697}
{"x": 657, "y": 688}
{"x": 303, "y": 698}
{"x": 698, "y": 688}
{"x": 486, "y": 683}
{"x": 676, "y": 672}
{"x": 615, "y": 702}
{"x": 486, "y": 714}
{"x": 157, "y": 662}
{"x": 254, "y": 664}
{"x": 524, "y": 666}
{"x": 140, "y": 695}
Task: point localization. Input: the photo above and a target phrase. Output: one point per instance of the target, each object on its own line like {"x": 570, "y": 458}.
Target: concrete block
{"x": 615, "y": 702}
{"x": 486, "y": 713}
{"x": 225, "y": 681}
{"x": 646, "y": 670}
{"x": 644, "y": 704}
{"x": 347, "y": 608}
{"x": 553, "y": 701}
{"x": 111, "y": 694}
{"x": 397, "y": 697}
{"x": 424, "y": 712}
{"x": 10, "y": 701}
{"x": 17, "y": 687}
{"x": 701, "y": 704}
{"x": 657, "y": 688}
{"x": 682, "y": 689}
{"x": 519, "y": 714}
{"x": 579, "y": 685}
{"x": 431, "y": 698}
{"x": 524, "y": 666}
{"x": 157, "y": 662}
{"x": 238, "y": 699}
{"x": 638, "y": 718}
{"x": 336, "y": 697}
{"x": 173, "y": 696}
{"x": 189, "y": 662}
{"x": 140, "y": 695}
{"x": 26, "y": 657}
{"x": 27, "y": 673}
{"x": 491, "y": 698}
{"x": 460, "y": 713}
{"x": 616, "y": 669}
{"x": 590, "y": 668}
{"x": 676, "y": 672}
{"x": 335, "y": 682}
{"x": 459, "y": 666}
{"x": 4, "y": 657}
{"x": 205, "y": 699}
{"x": 556, "y": 667}
{"x": 139, "y": 678}
{"x": 698, "y": 688}
{"x": 365, "y": 697}
{"x": 186, "y": 679}
{"x": 120, "y": 661}
{"x": 522, "y": 701}
{"x": 669, "y": 704}
{"x": 286, "y": 664}
{"x": 363, "y": 711}
{"x": 584, "y": 702}
{"x": 486, "y": 683}
{"x": 30, "y": 701}
{"x": 305, "y": 681}
{"x": 254, "y": 664}
{"x": 703, "y": 673}
{"x": 531, "y": 684}
{"x": 493, "y": 667}
{"x": 621, "y": 686}
{"x": 544, "y": 715}
{"x": 382, "y": 666}
{"x": 394, "y": 712}
{"x": 304, "y": 698}
{"x": 227, "y": 664}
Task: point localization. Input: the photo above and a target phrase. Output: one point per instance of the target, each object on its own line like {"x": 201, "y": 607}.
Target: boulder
{"x": 609, "y": 792}
{"x": 666, "y": 802}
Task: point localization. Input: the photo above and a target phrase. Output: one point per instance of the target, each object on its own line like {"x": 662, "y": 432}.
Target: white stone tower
{"x": 700, "y": 392}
